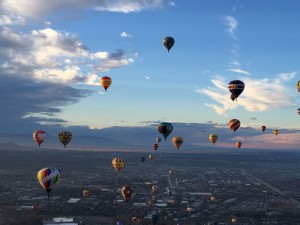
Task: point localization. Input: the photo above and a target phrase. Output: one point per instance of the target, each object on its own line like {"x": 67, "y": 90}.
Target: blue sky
{"x": 53, "y": 55}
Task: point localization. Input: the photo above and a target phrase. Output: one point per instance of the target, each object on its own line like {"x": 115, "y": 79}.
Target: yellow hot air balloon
{"x": 118, "y": 163}
{"x": 213, "y": 138}
{"x": 298, "y": 86}
{"x": 275, "y": 131}
{"x": 105, "y": 82}
{"x": 177, "y": 142}
{"x": 65, "y": 137}
{"x": 86, "y": 193}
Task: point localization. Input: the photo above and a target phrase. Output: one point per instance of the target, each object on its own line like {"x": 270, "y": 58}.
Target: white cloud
{"x": 258, "y": 95}
{"x": 58, "y": 75}
{"x": 125, "y": 35}
{"x": 231, "y": 24}
{"x": 92, "y": 79}
{"x": 47, "y": 23}
{"x": 238, "y": 70}
{"x": 101, "y": 55}
{"x": 171, "y": 3}
{"x": 147, "y": 77}
{"x": 6, "y": 20}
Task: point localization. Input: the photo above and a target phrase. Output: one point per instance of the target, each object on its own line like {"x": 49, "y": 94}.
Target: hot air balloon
{"x": 234, "y": 124}
{"x": 154, "y": 217}
{"x": 48, "y": 177}
{"x": 155, "y": 147}
{"x": 236, "y": 87}
{"x": 65, "y": 137}
{"x": 275, "y": 132}
{"x": 170, "y": 172}
{"x": 298, "y": 111}
{"x": 238, "y": 144}
{"x": 118, "y": 163}
{"x": 39, "y": 136}
{"x": 212, "y": 198}
{"x": 213, "y": 138}
{"x": 134, "y": 219}
{"x": 298, "y": 86}
{"x": 151, "y": 157}
{"x": 263, "y": 128}
{"x": 234, "y": 220}
{"x": 154, "y": 189}
{"x": 165, "y": 129}
{"x": 143, "y": 159}
{"x": 105, "y": 82}
{"x": 126, "y": 192}
{"x": 168, "y": 42}
{"x": 86, "y": 193}
{"x": 158, "y": 139}
{"x": 177, "y": 142}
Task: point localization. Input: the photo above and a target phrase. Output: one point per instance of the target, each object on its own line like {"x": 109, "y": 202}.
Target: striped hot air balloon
{"x": 234, "y": 124}
{"x": 48, "y": 177}
{"x": 39, "y": 136}
{"x": 105, "y": 82}
{"x": 213, "y": 138}
{"x": 118, "y": 163}
{"x": 65, "y": 137}
{"x": 236, "y": 87}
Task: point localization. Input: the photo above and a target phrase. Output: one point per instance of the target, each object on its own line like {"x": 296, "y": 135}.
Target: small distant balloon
{"x": 238, "y": 144}
{"x": 65, "y": 137}
{"x": 212, "y": 198}
{"x": 154, "y": 188}
{"x": 177, "y": 142}
{"x": 263, "y": 128}
{"x": 151, "y": 157}
{"x": 275, "y": 131}
{"x": 158, "y": 139}
{"x": 234, "y": 124}
{"x": 155, "y": 146}
{"x": 298, "y": 86}
{"x": 86, "y": 193}
{"x": 168, "y": 42}
{"x": 298, "y": 111}
{"x": 34, "y": 207}
{"x": 39, "y": 136}
{"x": 126, "y": 192}
{"x": 105, "y": 82}
{"x": 213, "y": 138}
{"x": 234, "y": 220}
{"x": 120, "y": 223}
{"x": 118, "y": 163}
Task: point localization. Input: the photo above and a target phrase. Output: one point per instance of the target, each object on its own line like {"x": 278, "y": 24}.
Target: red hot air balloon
{"x": 105, "y": 82}
{"x": 234, "y": 124}
{"x": 238, "y": 144}
{"x": 39, "y": 136}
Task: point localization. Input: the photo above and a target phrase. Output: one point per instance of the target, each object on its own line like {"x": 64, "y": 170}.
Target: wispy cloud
{"x": 125, "y": 35}
{"x": 250, "y": 99}
{"x": 238, "y": 70}
{"x": 147, "y": 77}
{"x": 231, "y": 24}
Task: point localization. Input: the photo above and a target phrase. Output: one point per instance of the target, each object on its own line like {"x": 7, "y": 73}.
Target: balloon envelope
{"x": 298, "y": 86}
{"x": 168, "y": 42}
{"x": 177, "y": 142}
{"x": 105, "y": 82}
{"x": 118, "y": 163}
{"x": 234, "y": 124}
{"x": 155, "y": 146}
{"x": 126, "y": 192}
{"x": 275, "y": 132}
{"x": 238, "y": 144}
{"x": 213, "y": 138}
{"x": 65, "y": 137}
{"x": 298, "y": 111}
{"x": 263, "y": 128}
{"x": 165, "y": 129}
{"x": 236, "y": 87}
{"x": 158, "y": 139}
{"x": 48, "y": 177}
{"x": 39, "y": 136}
{"x": 151, "y": 157}
{"x": 86, "y": 193}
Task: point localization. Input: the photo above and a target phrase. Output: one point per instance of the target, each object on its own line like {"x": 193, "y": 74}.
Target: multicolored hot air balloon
{"x": 151, "y": 157}
{"x": 155, "y": 146}
{"x": 177, "y": 142}
{"x": 105, "y": 82}
{"x": 39, "y": 136}
{"x": 236, "y": 87}
{"x": 238, "y": 144}
{"x": 158, "y": 139}
{"x": 234, "y": 124}
{"x": 168, "y": 42}
{"x": 65, "y": 137}
{"x": 213, "y": 138}
{"x": 48, "y": 177}
{"x": 298, "y": 111}
{"x": 275, "y": 131}
{"x": 126, "y": 192}
{"x": 143, "y": 159}
{"x": 165, "y": 129}
{"x": 263, "y": 128}
{"x": 86, "y": 193}
{"x": 118, "y": 163}
{"x": 298, "y": 86}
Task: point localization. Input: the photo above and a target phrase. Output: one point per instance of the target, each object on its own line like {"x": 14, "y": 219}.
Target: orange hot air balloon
{"x": 177, "y": 142}
{"x": 118, "y": 163}
{"x": 275, "y": 131}
{"x": 234, "y": 124}
{"x": 155, "y": 147}
{"x": 86, "y": 193}
{"x": 213, "y": 138}
{"x": 238, "y": 144}
{"x": 105, "y": 82}
{"x": 298, "y": 86}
